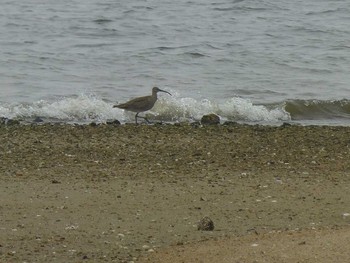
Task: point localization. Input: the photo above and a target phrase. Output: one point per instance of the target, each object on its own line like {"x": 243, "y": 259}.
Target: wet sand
{"x": 126, "y": 193}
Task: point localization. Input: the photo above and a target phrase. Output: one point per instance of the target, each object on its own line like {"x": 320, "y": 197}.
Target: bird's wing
{"x": 137, "y": 105}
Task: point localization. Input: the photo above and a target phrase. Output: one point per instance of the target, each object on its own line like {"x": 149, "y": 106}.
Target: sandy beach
{"x": 127, "y": 193}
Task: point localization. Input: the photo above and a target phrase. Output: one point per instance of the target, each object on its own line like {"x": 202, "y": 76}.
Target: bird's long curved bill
{"x": 164, "y": 91}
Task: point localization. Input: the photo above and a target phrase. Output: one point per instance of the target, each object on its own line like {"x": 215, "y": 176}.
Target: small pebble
{"x": 206, "y": 224}
{"x": 145, "y": 247}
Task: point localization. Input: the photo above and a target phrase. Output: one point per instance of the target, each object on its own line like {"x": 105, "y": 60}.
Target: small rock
{"x": 54, "y": 181}
{"x": 145, "y": 247}
{"x": 346, "y": 215}
{"x": 210, "y": 119}
{"x": 206, "y": 224}
{"x": 113, "y": 122}
{"x": 38, "y": 119}
{"x": 285, "y": 125}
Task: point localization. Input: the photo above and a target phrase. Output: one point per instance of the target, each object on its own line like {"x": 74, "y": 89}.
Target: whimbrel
{"x": 141, "y": 104}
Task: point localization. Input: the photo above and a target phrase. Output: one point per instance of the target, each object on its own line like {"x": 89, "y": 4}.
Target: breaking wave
{"x": 90, "y": 108}
{"x": 87, "y": 108}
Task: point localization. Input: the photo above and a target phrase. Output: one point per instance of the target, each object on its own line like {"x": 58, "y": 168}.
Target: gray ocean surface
{"x": 255, "y": 61}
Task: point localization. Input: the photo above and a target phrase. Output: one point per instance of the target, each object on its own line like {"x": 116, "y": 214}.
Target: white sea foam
{"x": 87, "y": 108}
{"x": 83, "y": 108}
{"x": 233, "y": 109}
{"x": 244, "y": 110}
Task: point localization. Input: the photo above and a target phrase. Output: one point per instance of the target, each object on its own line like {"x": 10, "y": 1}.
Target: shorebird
{"x": 141, "y": 104}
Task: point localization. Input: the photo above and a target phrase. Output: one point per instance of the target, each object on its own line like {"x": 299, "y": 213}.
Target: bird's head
{"x": 156, "y": 89}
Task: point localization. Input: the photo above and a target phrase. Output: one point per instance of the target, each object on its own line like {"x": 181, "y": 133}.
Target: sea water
{"x": 255, "y": 61}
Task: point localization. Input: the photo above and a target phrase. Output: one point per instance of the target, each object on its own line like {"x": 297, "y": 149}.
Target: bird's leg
{"x": 137, "y": 116}
{"x": 146, "y": 120}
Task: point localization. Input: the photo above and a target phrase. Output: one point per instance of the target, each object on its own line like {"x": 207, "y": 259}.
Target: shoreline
{"x": 117, "y": 192}
{"x": 156, "y": 122}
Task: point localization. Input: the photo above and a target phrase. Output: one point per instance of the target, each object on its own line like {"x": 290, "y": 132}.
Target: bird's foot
{"x": 144, "y": 119}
